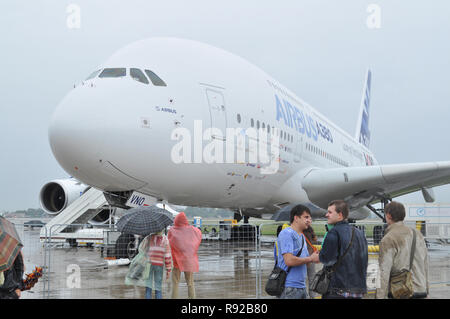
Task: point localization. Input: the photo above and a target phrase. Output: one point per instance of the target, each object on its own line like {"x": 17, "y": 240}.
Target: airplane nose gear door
{"x": 217, "y": 111}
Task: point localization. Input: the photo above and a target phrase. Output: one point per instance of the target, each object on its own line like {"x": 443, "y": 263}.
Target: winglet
{"x": 362, "y": 134}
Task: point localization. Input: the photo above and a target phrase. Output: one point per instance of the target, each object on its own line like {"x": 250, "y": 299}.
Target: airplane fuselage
{"x": 117, "y": 133}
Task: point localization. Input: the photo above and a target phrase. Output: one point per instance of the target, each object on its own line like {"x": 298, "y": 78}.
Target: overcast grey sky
{"x": 320, "y": 49}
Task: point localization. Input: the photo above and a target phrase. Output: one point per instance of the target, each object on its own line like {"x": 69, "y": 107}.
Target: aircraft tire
{"x": 126, "y": 246}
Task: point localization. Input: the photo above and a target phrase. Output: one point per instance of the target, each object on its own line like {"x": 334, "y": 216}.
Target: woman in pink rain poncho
{"x": 184, "y": 241}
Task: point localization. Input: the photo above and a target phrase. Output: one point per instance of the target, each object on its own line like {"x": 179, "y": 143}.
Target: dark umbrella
{"x": 283, "y": 214}
{"x": 10, "y": 244}
{"x": 145, "y": 220}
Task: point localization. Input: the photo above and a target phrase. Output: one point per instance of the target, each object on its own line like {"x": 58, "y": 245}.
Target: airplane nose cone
{"x": 91, "y": 134}
{"x": 73, "y": 132}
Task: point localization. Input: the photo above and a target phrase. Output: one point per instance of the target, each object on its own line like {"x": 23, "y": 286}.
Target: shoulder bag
{"x": 277, "y": 278}
{"x": 400, "y": 284}
{"x": 321, "y": 280}
{"x": 137, "y": 267}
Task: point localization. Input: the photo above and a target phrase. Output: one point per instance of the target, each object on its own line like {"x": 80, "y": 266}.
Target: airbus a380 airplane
{"x": 118, "y": 131}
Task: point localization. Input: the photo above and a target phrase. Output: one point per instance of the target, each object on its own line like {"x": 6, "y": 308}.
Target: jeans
{"x": 148, "y": 293}
{"x": 294, "y": 293}
{"x": 155, "y": 277}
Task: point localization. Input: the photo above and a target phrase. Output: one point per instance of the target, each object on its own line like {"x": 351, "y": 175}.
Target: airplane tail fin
{"x": 362, "y": 134}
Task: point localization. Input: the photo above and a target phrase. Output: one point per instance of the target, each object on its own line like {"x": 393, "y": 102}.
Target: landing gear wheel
{"x": 126, "y": 246}
{"x": 237, "y": 216}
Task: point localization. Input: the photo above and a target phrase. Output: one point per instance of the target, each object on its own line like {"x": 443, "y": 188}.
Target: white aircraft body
{"x": 117, "y": 132}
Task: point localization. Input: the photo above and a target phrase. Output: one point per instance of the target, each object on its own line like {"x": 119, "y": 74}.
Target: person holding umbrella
{"x": 146, "y": 269}
{"x": 160, "y": 257}
{"x": 13, "y": 283}
{"x": 184, "y": 240}
{"x": 11, "y": 261}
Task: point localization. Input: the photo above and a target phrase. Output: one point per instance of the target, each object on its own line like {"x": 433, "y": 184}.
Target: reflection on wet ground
{"x": 228, "y": 269}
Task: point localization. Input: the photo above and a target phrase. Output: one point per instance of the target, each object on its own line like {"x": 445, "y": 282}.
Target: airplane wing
{"x": 360, "y": 186}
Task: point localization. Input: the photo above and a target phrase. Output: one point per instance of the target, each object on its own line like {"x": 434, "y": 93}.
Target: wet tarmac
{"x": 228, "y": 269}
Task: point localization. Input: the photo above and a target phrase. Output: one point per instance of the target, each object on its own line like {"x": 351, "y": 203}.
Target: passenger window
{"x": 113, "y": 73}
{"x": 239, "y": 118}
{"x": 93, "y": 75}
{"x": 252, "y": 123}
{"x": 137, "y": 75}
{"x": 156, "y": 80}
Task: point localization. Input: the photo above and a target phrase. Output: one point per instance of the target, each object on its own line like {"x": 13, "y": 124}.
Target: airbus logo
{"x": 302, "y": 122}
{"x": 165, "y": 109}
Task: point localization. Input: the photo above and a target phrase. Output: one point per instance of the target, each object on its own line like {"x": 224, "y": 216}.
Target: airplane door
{"x": 298, "y": 148}
{"x": 217, "y": 111}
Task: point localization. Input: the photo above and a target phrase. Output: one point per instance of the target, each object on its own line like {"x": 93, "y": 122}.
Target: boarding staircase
{"x": 79, "y": 212}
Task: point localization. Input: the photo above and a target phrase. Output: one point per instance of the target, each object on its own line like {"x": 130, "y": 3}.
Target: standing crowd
{"x": 157, "y": 252}
{"x": 403, "y": 258}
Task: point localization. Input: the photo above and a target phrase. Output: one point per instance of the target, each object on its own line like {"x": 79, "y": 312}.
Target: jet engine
{"x": 56, "y": 195}
{"x": 60, "y": 193}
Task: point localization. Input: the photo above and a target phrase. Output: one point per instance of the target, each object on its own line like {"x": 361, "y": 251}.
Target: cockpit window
{"x": 113, "y": 73}
{"x": 137, "y": 75}
{"x": 93, "y": 74}
{"x": 156, "y": 80}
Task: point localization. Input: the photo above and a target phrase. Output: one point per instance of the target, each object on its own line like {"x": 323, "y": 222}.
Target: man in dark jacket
{"x": 349, "y": 278}
{"x": 13, "y": 280}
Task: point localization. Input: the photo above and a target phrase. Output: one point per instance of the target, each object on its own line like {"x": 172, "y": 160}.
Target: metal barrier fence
{"x": 235, "y": 261}
{"x": 79, "y": 267}
{"x": 228, "y": 258}
{"x": 76, "y": 264}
